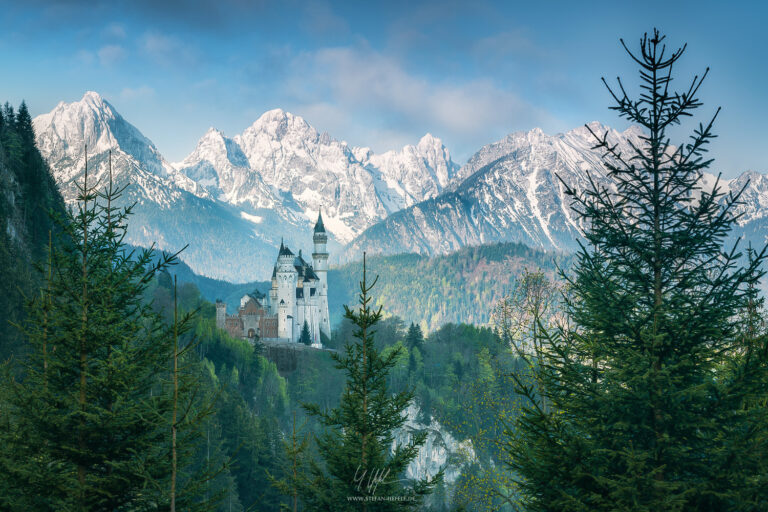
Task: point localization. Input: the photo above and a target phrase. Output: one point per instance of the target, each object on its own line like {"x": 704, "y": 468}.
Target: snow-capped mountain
{"x": 416, "y": 172}
{"x": 511, "y": 193}
{"x": 172, "y": 210}
{"x": 282, "y": 158}
{"x": 233, "y": 199}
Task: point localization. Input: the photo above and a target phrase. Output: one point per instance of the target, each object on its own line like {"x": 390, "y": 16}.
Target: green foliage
{"x": 296, "y": 449}
{"x": 305, "y": 337}
{"x": 355, "y": 447}
{"x": 27, "y": 194}
{"x": 432, "y": 291}
{"x": 90, "y": 404}
{"x": 655, "y": 397}
{"x": 414, "y": 338}
{"x": 243, "y": 430}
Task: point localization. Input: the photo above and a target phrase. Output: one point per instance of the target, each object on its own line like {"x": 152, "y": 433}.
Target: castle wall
{"x": 289, "y": 303}
{"x": 234, "y": 326}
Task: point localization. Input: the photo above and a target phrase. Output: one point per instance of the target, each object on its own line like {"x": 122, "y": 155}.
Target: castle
{"x": 299, "y": 294}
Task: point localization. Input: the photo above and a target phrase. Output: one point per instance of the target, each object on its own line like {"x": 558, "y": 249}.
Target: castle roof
{"x": 319, "y": 228}
{"x": 256, "y": 297}
{"x": 310, "y": 274}
{"x": 284, "y": 250}
{"x": 304, "y": 269}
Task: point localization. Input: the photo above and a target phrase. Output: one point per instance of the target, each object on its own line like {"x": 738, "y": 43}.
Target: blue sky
{"x": 380, "y": 74}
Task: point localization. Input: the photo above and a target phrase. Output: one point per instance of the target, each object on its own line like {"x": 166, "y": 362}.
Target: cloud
{"x": 114, "y": 31}
{"x": 167, "y": 50}
{"x": 319, "y": 19}
{"x": 85, "y": 57}
{"x": 128, "y": 93}
{"x": 111, "y": 54}
{"x": 394, "y": 100}
{"x": 507, "y": 45}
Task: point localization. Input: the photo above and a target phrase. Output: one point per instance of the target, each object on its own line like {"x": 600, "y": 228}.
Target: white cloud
{"x": 111, "y": 54}
{"x": 505, "y": 45}
{"x": 347, "y": 83}
{"x": 114, "y": 31}
{"x": 85, "y": 57}
{"x": 167, "y": 50}
{"x": 129, "y": 93}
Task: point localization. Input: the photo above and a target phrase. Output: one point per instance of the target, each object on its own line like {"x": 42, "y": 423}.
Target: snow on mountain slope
{"x": 233, "y": 199}
{"x": 511, "y": 193}
{"x": 415, "y": 172}
{"x": 309, "y": 171}
{"x": 68, "y": 128}
{"x": 171, "y": 209}
{"x": 219, "y": 165}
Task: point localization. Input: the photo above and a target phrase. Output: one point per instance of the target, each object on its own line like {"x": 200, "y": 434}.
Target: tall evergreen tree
{"x": 414, "y": 337}
{"x": 91, "y": 406}
{"x": 295, "y": 448}
{"x": 24, "y": 125}
{"x": 305, "y": 337}
{"x": 654, "y": 399}
{"x": 358, "y": 470}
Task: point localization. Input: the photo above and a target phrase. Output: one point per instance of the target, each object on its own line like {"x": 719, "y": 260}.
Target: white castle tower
{"x": 287, "y": 277}
{"x": 320, "y": 265}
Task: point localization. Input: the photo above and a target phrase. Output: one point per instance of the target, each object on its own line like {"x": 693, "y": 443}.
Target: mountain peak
{"x": 429, "y": 140}
{"x": 634, "y": 130}
{"x": 279, "y": 115}
{"x": 92, "y": 121}
{"x": 93, "y": 98}
{"x": 278, "y": 123}
{"x": 212, "y": 134}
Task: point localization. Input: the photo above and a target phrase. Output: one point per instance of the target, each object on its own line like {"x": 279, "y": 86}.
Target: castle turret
{"x": 221, "y": 314}
{"x": 320, "y": 266}
{"x": 287, "y": 277}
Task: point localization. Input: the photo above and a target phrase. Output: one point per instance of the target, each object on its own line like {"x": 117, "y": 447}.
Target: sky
{"x": 382, "y": 74}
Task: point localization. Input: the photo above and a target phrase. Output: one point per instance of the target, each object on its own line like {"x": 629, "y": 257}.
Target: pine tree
{"x": 356, "y": 461}
{"x": 654, "y": 399}
{"x": 414, "y": 337}
{"x": 91, "y": 406}
{"x": 305, "y": 337}
{"x": 295, "y": 448}
{"x": 24, "y": 125}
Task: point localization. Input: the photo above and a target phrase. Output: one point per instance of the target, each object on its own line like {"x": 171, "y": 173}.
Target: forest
{"x": 633, "y": 378}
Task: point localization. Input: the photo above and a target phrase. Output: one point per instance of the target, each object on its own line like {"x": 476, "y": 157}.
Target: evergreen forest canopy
{"x": 636, "y": 380}
{"x": 28, "y": 195}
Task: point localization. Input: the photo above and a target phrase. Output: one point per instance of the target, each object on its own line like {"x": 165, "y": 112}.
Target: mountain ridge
{"x": 234, "y": 198}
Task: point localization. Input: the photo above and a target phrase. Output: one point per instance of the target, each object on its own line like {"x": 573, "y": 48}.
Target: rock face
{"x": 440, "y": 451}
{"x": 171, "y": 210}
{"x": 308, "y": 171}
{"x": 513, "y": 191}
{"x": 233, "y": 199}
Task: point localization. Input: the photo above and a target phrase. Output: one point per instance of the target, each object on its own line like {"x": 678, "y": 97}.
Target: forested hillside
{"x": 246, "y": 407}
{"x": 459, "y": 374}
{"x": 27, "y": 194}
{"x": 461, "y": 287}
